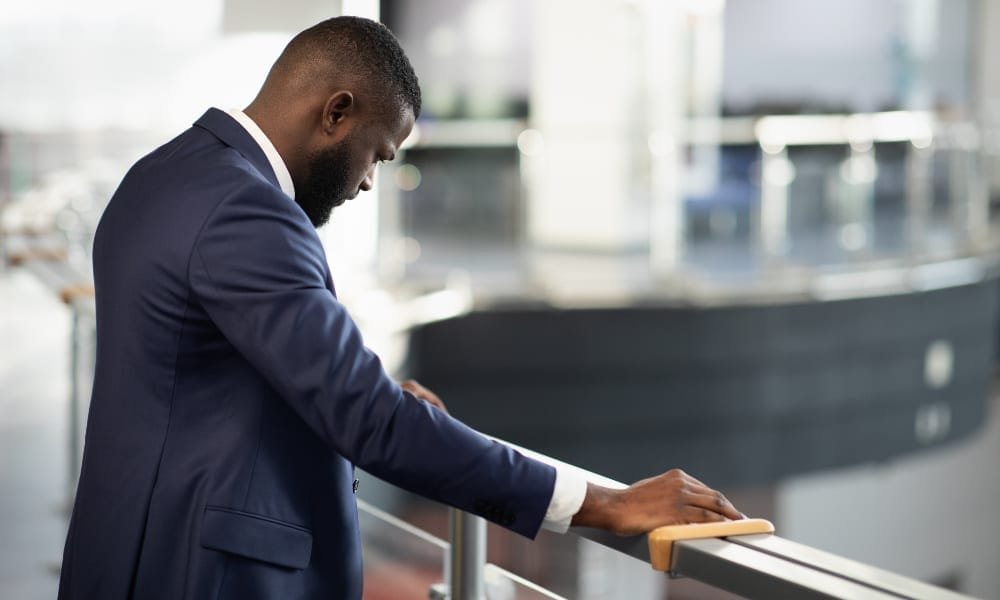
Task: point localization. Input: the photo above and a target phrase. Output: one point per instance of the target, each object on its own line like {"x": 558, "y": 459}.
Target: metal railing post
{"x": 919, "y": 195}
{"x": 73, "y": 432}
{"x": 777, "y": 174}
{"x": 467, "y": 557}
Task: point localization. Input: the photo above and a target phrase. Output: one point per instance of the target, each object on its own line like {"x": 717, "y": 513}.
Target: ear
{"x": 338, "y": 106}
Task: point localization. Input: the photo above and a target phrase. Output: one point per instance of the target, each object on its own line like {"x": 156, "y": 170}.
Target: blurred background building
{"x": 756, "y": 239}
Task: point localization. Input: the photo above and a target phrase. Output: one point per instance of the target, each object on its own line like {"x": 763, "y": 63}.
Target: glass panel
{"x": 501, "y": 584}
{"x": 720, "y": 213}
{"x": 606, "y": 573}
{"x": 603, "y": 573}
{"x": 400, "y": 560}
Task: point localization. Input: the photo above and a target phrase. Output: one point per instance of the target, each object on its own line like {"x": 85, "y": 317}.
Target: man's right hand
{"x": 673, "y": 498}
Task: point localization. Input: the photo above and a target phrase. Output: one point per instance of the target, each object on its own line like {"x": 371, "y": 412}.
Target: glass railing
{"x": 501, "y": 584}
{"x": 400, "y": 560}
{"x": 791, "y": 206}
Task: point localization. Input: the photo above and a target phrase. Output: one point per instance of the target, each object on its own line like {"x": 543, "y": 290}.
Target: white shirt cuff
{"x": 567, "y": 497}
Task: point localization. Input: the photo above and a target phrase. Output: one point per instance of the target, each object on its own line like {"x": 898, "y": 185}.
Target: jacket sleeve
{"x": 258, "y": 270}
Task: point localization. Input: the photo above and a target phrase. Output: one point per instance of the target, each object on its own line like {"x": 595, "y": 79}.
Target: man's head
{"x": 341, "y": 98}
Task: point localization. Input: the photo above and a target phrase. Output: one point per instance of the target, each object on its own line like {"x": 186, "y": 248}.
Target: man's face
{"x": 344, "y": 168}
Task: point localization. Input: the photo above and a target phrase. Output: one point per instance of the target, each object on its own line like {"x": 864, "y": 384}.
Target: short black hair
{"x": 366, "y": 48}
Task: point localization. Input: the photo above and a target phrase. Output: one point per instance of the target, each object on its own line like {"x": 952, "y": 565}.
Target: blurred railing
{"x": 798, "y": 206}
{"x": 36, "y": 253}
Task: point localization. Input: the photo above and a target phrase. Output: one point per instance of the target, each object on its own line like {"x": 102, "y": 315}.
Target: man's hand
{"x": 673, "y": 498}
{"x": 424, "y": 394}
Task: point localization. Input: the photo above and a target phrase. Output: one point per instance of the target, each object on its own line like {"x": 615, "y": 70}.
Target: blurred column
{"x": 604, "y": 78}
{"x": 771, "y": 230}
{"x": 968, "y": 186}
{"x": 918, "y": 196}
{"x": 854, "y": 196}
{"x": 919, "y": 43}
{"x": 687, "y": 99}
{"x": 987, "y": 56}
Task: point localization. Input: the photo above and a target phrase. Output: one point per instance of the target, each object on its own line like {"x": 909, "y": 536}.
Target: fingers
{"x": 424, "y": 394}
{"x": 702, "y": 496}
{"x": 714, "y": 503}
{"x": 693, "y": 514}
{"x": 693, "y": 479}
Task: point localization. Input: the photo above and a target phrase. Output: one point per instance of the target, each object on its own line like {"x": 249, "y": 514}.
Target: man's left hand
{"x": 424, "y": 394}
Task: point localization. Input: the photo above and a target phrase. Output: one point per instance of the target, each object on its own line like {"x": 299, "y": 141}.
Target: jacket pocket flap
{"x": 257, "y": 537}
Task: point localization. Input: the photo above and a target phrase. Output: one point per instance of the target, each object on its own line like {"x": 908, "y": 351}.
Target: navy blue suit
{"x": 233, "y": 395}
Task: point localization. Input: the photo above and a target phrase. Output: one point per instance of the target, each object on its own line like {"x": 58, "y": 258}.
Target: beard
{"x": 326, "y": 184}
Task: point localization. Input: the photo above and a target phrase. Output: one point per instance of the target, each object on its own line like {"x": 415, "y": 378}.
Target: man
{"x": 233, "y": 393}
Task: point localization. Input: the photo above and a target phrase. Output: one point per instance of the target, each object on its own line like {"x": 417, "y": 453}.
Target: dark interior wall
{"x": 743, "y": 394}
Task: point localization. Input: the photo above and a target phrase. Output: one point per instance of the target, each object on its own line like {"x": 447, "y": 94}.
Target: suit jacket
{"x": 233, "y": 392}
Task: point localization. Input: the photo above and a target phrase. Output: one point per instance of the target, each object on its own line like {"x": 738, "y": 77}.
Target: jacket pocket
{"x": 256, "y": 536}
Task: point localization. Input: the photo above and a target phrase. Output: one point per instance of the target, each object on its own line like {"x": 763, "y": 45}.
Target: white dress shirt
{"x": 570, "y": 487}
{"x": 277, "y": 163}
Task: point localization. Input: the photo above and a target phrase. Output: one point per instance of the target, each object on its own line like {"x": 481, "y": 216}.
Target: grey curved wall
{"x": 742, "y": 394}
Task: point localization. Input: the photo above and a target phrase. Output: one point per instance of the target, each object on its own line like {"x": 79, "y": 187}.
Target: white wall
{"x": 929, "y": 516}
{"x": 123, "y": 64}
{"x": 835, "y": 51}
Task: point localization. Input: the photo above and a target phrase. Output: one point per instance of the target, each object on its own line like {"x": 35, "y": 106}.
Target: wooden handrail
{"x": 661, "y": 540}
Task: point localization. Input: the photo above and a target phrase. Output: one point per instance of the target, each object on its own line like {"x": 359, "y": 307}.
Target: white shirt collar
{"x": 277, "y": 164}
